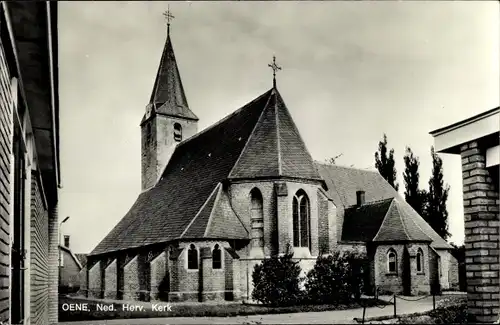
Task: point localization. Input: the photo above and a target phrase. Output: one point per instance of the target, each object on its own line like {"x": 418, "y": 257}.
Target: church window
{"x": 391, "y": 261}
{"x": 420, "y": 261}
{"x": 257, "y": 218}
{"x": 192, "y": 258}
{"x": 177, "y": 132}
{"x": 216, "y": 258}
{"x": 301, "y": 220}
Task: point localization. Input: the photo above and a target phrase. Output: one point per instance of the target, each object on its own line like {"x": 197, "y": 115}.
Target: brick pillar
{"x": 131, "y": 284}
{"x": 110, "y": 281}
{"x": 285, "y": 232}
{"x": 95, "y": 281}
{"x": 481, "y": 235}
{"x": 53, "y": 266}
{"x": 82, "y": 275}
{"x": 158, "y": 271}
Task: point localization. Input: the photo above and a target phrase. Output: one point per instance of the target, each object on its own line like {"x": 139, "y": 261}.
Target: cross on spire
{"x": 275, "y": 68}
{"x": 168, "y": 16}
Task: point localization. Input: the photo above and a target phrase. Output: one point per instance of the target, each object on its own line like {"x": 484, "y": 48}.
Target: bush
{"x": 456, "y": 314}
{"x": 276, "y": 281}
{"x": 336, "y": 278}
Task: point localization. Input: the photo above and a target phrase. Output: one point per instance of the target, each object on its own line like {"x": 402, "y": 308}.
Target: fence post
{"x": 433, "y": 301}
{"x": 395, "y": 306}
{"x": 364, "y": 312}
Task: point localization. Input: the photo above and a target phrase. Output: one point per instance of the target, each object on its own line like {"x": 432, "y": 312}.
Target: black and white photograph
{"x": 249, "y": 162}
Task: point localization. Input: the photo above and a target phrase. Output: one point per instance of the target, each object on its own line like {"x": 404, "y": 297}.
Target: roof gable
{"x": 362, "y": 223}
{"x": 77, "y": 261}
{"x": 275, "y": 147}
{"x": 197, "y": 166}
{"x": 224, "y": 223}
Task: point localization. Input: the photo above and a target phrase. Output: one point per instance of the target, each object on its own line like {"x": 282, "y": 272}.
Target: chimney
{"x": 66, "y": 241}
{"x": 360, "y": 198}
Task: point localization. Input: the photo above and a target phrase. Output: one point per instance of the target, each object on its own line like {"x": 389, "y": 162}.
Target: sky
{"x": 351, "y": 71}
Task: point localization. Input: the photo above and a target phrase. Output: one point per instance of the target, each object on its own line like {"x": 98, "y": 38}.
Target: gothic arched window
{"x": 192, "y": 258}
{"x": 301, "y": 220}
{"x": 391, "y": 261}
{"x": 177, "y": 132}
{"x": 257, "y": 218}
{"x": 216, "y": 258}
{"x": 256, "y": 203}
{"x": 420, "y": 260}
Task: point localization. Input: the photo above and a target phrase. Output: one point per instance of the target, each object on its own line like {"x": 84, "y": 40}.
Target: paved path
{"x": 325, "y": 317}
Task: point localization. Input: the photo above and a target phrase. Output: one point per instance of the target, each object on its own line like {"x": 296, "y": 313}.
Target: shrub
{"x": 276, "y": 281}
{"x": 336, "y": 278}
{"x": 456, "y": 314}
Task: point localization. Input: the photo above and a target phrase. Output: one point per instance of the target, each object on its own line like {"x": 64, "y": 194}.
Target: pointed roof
{"x": 275, "y": 148}
{"x": 168, "y": 97}
{"x": 181, "y": 204}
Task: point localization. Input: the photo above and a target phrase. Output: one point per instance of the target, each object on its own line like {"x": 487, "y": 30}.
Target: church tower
{"x": 168, "y": 119}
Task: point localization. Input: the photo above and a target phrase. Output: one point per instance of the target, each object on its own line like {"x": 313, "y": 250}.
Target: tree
{"x": 415, "y": 197}
{"x": 435, "y": 211}
{"x": 385, "y": 164}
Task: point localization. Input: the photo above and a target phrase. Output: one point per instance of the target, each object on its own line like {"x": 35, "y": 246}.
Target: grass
{"x": 192, "y": 310}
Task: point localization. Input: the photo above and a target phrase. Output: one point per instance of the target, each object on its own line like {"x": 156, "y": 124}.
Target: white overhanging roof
{"x": 449, "y": 139}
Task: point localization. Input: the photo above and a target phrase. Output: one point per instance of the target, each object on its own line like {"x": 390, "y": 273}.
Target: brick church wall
{"x": 481, "y": 207}
{"x": 385, "y": 281}
{"x": 95, "y": 278}
{"x": 419, "y": 279}
{"x": 187, "y": 283}
{"x": 110, "y": 281}
{"x": 213, "y": 280}
{"x": 240, "y": 200}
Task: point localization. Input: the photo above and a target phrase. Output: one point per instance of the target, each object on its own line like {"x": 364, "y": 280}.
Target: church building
{"x": 218, "y": 201}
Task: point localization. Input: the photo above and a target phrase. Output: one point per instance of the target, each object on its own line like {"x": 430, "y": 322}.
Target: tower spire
{"x": 275, "y": 68}
{"x": 168, "y": 16}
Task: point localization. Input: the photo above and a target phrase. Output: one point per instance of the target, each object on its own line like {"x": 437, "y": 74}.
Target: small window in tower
{"x": 177, "y": 132}
{"x": 148, "y": 131}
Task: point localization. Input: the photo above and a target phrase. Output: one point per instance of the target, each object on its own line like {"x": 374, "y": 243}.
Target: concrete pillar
{"x": 481, "y": 202}
{"x": 131, "y": 284}
{"x": 110, "y": 281}
{"x": 95, "y": 278}
{"x": 53, "y": 266}
{"x": 158, "y": 271}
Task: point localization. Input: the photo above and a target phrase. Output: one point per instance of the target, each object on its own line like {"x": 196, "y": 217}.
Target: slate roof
{"x": 385, "y": 216}
{"x": 168, "y": 96}
{"x": 343, "y": 182}
{"x": 185, "y": 201}
{"x": 277, "y": 136}
{"x": 362, "y": 223}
